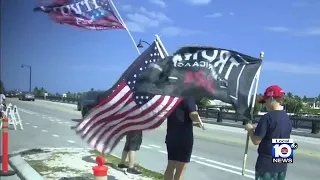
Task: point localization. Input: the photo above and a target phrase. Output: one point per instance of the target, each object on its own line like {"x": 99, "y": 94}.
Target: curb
{"x": 23, "y": 169}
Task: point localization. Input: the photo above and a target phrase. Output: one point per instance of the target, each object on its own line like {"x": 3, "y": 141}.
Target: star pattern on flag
{"x": 153, "y": 57}
{"x": 99, "y": 13}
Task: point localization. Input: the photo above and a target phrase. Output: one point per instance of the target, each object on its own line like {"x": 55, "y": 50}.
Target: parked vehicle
{"x": 88, "y": 101}
{"x": 26, "y": 96}
{"x": 10, "y": 94}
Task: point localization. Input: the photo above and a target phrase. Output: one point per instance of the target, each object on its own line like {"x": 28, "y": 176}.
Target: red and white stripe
{"x": 119, "y": 114}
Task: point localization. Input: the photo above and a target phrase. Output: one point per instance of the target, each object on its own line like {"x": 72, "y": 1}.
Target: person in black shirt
{"x": 179, "y": 138}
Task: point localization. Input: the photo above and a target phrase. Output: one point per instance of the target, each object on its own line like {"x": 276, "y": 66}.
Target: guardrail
{"x": 312, "y": 123}
{"x": 59, "y": 99}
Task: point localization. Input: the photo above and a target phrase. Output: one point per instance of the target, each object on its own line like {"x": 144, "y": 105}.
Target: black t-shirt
{"x": 273, "y": 125}
{"x": 179, "y": 124}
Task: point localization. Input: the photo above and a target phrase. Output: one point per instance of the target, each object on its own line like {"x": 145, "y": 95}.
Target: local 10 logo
{"x": 282, "y": 150}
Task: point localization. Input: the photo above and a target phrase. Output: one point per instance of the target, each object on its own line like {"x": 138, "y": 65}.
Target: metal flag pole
{"x": 245, "y": 156}
{"x": 161, "y": 44}
{"x": 124, "y": 24}
{"x": 160, "y": 50}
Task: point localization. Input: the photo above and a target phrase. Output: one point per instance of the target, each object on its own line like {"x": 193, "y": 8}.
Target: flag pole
{"x": 160, "y": 51}
{"x": 245, "y": 156}
{"x": 161, "y": 44}
{"x": 124, "y": 24}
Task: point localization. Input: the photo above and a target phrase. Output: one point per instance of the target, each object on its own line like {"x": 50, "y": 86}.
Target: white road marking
{"x": 164, "y": 152}
{"x": 35, "y": 126}
{"x": 67, "y": 122}
{"x": 50, "y": 117}
{"x": 51, "y": 120}
{"x": 44, "y": 130}
{"x": 222, "y": 168}
{"x": 54, "y": 135}
{"x": 147, "y": 147}
{"x": 70, "y": 141}
{"x": 155, "y": 146}
{"x": 228, "y": 165}
{"x": 25, "y": 111}
{"x": 60, "y": 122}
{"x": 230, "y": 122}
{"x": 193, "y": 156}
{"x": 27, "y": 123}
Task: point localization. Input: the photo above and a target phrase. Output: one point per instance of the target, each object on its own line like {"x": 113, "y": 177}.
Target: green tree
{"x": 2, "y": 89}
{"x": 290, "y": 95}
{"x": 36, "y": 91}
{"x": 203, "y": 102}
{"x": 304, "y": 99}
{"x": 91, "y": 89}
{"x": 293, "y": 104}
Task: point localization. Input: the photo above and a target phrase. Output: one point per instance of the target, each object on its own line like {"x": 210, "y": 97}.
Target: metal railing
{"x": 312, "y": 123}
{"x": 59, "y": 99}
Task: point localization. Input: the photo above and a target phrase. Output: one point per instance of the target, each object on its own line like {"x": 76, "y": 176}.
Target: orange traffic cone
{"x": 100, "y": 172}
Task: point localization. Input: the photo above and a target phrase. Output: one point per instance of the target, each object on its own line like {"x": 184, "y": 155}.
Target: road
{"x": 218, "y": 151}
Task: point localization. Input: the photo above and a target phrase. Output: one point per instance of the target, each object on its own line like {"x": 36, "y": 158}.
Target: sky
{"x": 65, "y": 58}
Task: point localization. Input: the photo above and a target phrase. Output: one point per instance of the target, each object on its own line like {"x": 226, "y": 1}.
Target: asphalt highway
{"x": 218, "y": 151}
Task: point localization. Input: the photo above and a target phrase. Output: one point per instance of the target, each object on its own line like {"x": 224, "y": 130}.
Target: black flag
{"x": 218, "y": 74}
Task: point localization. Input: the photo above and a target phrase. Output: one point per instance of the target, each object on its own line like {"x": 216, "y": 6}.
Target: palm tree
{"x": 290, "y": 95}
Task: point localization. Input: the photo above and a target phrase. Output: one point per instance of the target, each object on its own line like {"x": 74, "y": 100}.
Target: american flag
{"x": 101, "y": 18}
{"x": 124, "y": 110}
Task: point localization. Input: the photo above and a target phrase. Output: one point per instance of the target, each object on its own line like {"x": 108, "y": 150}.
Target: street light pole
{"x": 30, "y": 75}
{"x": 140, "y": 43}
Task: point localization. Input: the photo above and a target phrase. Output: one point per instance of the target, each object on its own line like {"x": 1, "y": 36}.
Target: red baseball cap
{"x": 272, "y": 91}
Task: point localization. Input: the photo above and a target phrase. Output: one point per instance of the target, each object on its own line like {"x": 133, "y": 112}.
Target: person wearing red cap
{"x": 275, "y": 124}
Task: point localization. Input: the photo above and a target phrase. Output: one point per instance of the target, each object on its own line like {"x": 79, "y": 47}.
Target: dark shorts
{"x": 270, "y": 175}
{"x": 179, "y": 151}
{"x": 133, "y": 141}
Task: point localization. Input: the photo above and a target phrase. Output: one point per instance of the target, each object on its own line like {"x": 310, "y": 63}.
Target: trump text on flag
{"x": 282, "y": 150}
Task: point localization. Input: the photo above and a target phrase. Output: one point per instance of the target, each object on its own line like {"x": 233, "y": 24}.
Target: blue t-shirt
{"x": 273, "y": 125}
{"x": 179, "y": 124}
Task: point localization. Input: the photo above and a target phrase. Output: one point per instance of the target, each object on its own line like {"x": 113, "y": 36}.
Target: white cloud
{"x": 155, "y": 15}
{"x": 160, "y": 3}
{"x": 288, "y": 67}
{"x": 177, "y": 31}
{"x": 135, "y": 27}
{"x": 313, "y": 31}
{"x": 231, "y": 13}
{"x": 126, "y": 7}
{"x": 198, "y": 2}
{"x": 277, "y": 29}
{"x": 143, "y": 19}
{"x": 214, "y": 15}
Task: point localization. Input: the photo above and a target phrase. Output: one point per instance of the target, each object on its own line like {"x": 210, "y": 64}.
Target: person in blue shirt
{"x": 275, "y": 124}
{"x": 179, "y": 138}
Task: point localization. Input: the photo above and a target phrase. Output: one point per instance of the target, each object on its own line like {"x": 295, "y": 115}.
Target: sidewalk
{"x": 15, "y": 177}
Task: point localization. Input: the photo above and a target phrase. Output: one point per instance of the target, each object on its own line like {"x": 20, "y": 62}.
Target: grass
{"x": 44, "y": 170}
{"x": 312, "y": 111}
{"x": 113, "y": 161}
